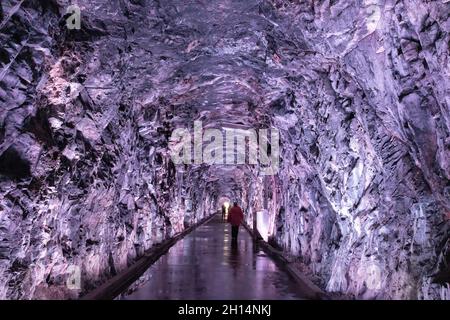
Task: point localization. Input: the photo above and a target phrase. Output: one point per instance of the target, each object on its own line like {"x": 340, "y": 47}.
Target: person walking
{"x": 235, "y": 218}
{"x": 224, "y": 212}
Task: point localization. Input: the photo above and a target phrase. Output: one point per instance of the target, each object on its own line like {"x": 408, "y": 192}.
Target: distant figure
{"x": 224, "y": 212}
{"x": 235, "y": 218}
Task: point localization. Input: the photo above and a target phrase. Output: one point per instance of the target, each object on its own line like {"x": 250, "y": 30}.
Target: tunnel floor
{"x": 205, "y": 265}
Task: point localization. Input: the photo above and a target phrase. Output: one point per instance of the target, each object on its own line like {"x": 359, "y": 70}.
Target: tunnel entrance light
{"x": 226, "y": 204}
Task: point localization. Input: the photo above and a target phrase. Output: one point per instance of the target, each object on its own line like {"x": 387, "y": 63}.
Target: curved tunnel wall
{"x": 358, "y": 90}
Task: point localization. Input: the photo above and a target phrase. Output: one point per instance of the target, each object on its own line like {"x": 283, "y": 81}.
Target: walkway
{"x": 204, "y": 265}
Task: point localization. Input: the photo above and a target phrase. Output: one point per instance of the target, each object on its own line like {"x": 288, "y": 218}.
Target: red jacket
{"x": 235, "y": 216}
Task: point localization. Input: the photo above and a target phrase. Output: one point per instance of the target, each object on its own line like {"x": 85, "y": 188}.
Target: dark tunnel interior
{"x": 327, "y": 121}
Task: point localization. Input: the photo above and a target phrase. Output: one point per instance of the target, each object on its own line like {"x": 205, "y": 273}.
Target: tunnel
{"x": 127, "y": 127}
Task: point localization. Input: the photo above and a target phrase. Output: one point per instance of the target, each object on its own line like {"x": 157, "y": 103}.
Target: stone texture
{"x": 359, "y": 90}
{"x": 86, "y": 180}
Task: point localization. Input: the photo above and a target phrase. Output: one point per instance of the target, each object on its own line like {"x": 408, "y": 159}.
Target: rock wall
{"x": 363, "y": 193}
{"x": 358, "y": 89}
{"x": 86, "y": 181}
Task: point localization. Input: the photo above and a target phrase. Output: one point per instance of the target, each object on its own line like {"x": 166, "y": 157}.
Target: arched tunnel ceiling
{"x": 237, "y": 66}
{"x": 358, "y": 89}
{"x": 220, "y": 69}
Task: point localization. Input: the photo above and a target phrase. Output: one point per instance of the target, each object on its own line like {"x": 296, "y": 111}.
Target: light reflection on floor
{"x": 205, "y": 265}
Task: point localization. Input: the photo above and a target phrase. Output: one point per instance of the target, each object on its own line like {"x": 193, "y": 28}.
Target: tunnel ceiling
{"x": 359, "y": 91}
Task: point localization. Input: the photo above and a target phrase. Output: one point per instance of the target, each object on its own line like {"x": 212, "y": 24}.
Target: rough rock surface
{"x": 359, "y": 90}
{"x": 86, "y": 180}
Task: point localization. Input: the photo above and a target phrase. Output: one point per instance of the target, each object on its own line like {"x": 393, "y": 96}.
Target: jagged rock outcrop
{"x": 362, "y": 197}
{"x": 358, "y": 89}
{"x": 86, "y": 180}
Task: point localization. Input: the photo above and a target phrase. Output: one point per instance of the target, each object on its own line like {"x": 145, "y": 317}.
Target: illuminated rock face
{"x": 86, "y": 180}
{"x": 362, "y": 196}
{"x": 358, "y": 90}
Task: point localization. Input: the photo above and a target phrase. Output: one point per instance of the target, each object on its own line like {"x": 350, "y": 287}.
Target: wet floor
{"x": 205, "y": 265}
